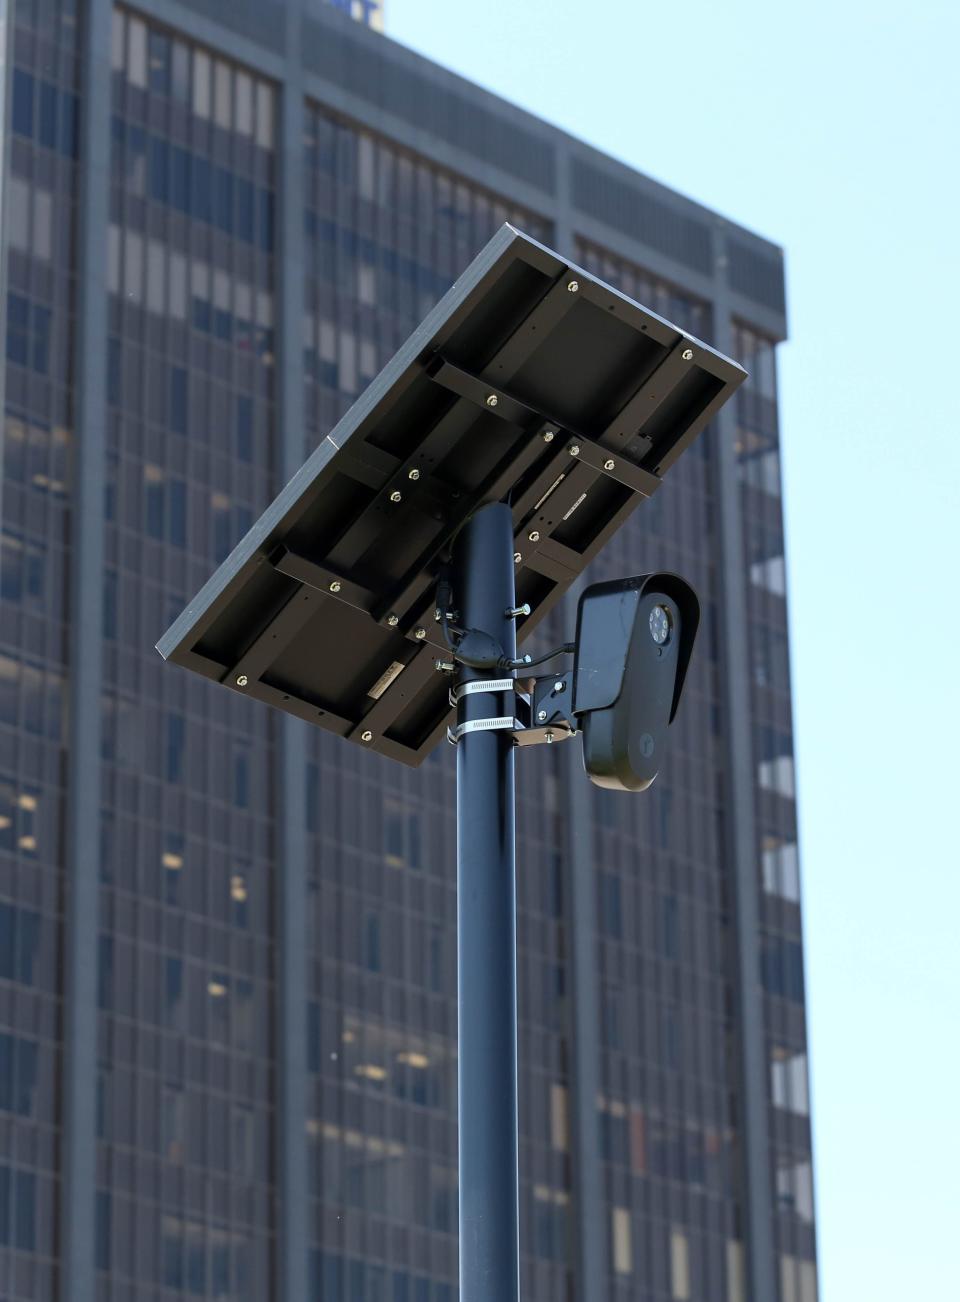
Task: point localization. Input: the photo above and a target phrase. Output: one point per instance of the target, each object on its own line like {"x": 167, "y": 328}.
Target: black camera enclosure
{"x": 634, "y": 641}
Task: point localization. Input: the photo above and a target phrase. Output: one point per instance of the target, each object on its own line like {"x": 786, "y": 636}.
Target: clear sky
{"x": 833, "y": 129}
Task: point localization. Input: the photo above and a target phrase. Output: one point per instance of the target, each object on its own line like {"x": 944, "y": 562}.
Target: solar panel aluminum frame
{"x": 532, "y": 382}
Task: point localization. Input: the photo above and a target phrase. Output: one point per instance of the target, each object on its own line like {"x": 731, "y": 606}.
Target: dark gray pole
{"x": 483, "y": 591}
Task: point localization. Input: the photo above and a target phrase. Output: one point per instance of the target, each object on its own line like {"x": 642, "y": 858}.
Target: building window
{"x": 19, "y": 943}
{"x": 28, "y": 333}
{"x": 798, "y": 1279}
{"x": 781, "y": 869}
{"x": 788, "y": 1081}
{"x": 781, "y": 968}
{"x": 371, "y": 942}
{"x": 611, "y": 905}
{"x": 401, "y": 835}
{"x": 679, "y": 1266}
{"x": 795, "y": 1190}
{"x": 18, "y": 1074}
{"x": 559, "y": 1117}
{"x": 622, "y": 1247}
{"x": 18, "y": 1209}
{"x": 736, "y": 1285}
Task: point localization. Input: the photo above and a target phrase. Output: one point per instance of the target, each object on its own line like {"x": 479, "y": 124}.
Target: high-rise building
{"x": 227, "y": 950}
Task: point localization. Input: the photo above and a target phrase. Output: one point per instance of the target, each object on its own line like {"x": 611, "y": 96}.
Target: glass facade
{"x": 185, "y": 1168}
{"x": 40, "y": 217}
{"x": 187, "y": 1159}
{"x": 781, "y": 947}
{"x": 385, "y": 234}
{"x": 668, "y": 1117}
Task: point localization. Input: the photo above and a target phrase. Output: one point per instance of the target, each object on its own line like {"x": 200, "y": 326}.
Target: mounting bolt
{"x": 542, "y": 716}
{"x": 492, "y": 399}
{"x": 335, "y": 586}
{"x": 527, "y": 659}
{"x": 444, "y": 666}
{"x": 420, "y": 634}
{"x": 574, "y": 449}
{"x": 548, "y": 435}
{"x": 534, "y": 535}
{"x": 242, "y": 680}
{"x": 413, "y": 474}
{"x": 609, "y": 464}
{"x": 393, "y": 620}
{"x": 573, "y": 286}
{"x": 687, "y": 354}
{"x": 514, "y": 612}
{"x": 396, "y": 495}
{"x": 559, "y": 685}
{"x": 548, "y": 737}
{"x": 517, "y": 558}
{"x": 366, "y": 736}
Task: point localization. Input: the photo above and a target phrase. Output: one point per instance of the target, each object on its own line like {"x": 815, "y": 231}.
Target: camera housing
{"x": 634, "y": 641}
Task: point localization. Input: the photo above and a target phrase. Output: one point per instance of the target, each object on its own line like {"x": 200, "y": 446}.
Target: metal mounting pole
{"x": 483, "y": 590}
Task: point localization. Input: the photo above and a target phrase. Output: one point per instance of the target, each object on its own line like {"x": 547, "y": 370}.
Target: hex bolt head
{"x": 534, "y": 535}
{"x": 492, "y": 399}
{"x": 413, "y": 474}
{"x": 549, "y": 435}
{"x": 396, "y": 495}
{"x": 420, "y": 634}
{"x": 542, "y": 716}
{"x": 609, "y": 464}
{"x": 335, "y": 586}
{"x": 517, "y": 558}
{"x": 559, "y": 685}
{"x": 574, "y": 449}
{"x": 242, "y": 680}
{"x": 573, "y": 286}
{"x": 366, "y": 736}
{"x": 393, "y": 620}
{"x": 687, "y": 354}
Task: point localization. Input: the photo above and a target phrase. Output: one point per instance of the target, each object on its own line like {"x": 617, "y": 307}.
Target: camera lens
{"x": 660, "y": 624}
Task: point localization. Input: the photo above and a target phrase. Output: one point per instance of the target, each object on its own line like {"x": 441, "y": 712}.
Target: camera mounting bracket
{"x": 542, "y": 711}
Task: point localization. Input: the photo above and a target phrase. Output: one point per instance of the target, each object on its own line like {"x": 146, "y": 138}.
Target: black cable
{"x": 567, "y": 649}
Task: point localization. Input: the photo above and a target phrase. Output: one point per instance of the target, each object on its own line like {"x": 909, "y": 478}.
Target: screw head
{"x": 609, "y": 464}
{"x": 242, "y": 680}
{"x": 542, "y": 715}
{"x": 558, "y": 685}
{"x": 687, "y": 354}
{"x": 396, "y": 495}
{"x": 548, "y": 737}
{"x": 413, "y": 474}
{"x": 335, "y": 586}
{"x": 534, "y": 535}
{"x": 420, "y": 634}
{"x": 548, "y": 435}
{"x": 492, "y": 399}
{"x": 574, "y": 449}
{"x": 517, "y": 558}
{"x": 366, "y": 736}
{"x": 393, "y": 620}
{"x": 573, "y": 286}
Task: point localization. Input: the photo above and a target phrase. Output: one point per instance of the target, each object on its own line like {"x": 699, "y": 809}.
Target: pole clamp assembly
{"x": 543, "y": 709}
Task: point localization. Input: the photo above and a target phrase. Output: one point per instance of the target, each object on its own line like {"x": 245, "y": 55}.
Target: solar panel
{"x": 531, "y": 382}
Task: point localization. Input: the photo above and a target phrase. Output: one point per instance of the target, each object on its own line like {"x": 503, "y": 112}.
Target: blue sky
{"x": 833, "y": 129}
